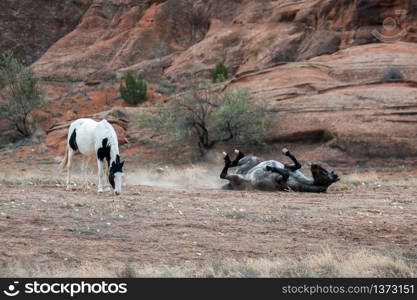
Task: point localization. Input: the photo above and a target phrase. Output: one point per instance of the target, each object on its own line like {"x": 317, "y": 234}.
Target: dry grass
{"x": 374, "y": 178}
{"x": 357, "y": 177}
{"x": 85, "y": 175}
{"x": 363, "y": 263}
{"x": 328, "y": 263}
{"x": 77, "y": 179}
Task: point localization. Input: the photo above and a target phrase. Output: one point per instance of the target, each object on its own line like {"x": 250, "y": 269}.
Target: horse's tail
{"x": 64, "y": 162}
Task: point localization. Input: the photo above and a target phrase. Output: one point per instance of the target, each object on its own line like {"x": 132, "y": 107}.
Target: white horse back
{"x": 90, "y": 135}
{"x": 85, "y": 135}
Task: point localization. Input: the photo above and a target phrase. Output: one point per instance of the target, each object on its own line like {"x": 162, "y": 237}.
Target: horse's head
{"x": 322, "y": 176}
{"x": 116, "y": 175}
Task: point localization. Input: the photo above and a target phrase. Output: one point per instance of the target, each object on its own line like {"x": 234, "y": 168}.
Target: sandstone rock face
{"x": 29, "y": 27}
{"x": 115, "y": 34}
{"x": 338, "y": 75}
{"x": 347, "y": 100}
{"x": 265, "y": 33}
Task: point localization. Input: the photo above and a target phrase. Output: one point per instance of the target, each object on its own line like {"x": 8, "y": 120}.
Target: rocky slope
{"x": 347, "y": 100}
{"x": 29, "y": 27}
{"x": 115, "y": 34}
{"x": 340, "y": 76}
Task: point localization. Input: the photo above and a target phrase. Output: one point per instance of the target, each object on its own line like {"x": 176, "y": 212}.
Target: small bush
{"x": 393, "y": 73}
{"x": 220, "y": 73}
{"x": 134, "y": 90}
{"x": 19, "y": 92}
{"x": 207, "y": 118}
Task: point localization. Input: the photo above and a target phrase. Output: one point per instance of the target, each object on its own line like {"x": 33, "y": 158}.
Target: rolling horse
{"x": 88, "y": 137}
{"x": 252, "y": 173}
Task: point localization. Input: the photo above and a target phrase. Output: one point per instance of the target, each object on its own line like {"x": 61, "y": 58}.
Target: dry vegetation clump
{"x": 55, "y": 179}
{"x": 19, "y": 92}
{"x": 374, "y": 178}
{"x": 327, "y": 263}
{"x": 205, "y": 117}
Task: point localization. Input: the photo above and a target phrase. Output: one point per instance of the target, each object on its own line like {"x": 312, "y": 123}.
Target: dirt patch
{"x": 47, "y": 226}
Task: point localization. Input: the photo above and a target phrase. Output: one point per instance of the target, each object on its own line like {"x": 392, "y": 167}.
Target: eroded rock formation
{"x": 337, "y": 74}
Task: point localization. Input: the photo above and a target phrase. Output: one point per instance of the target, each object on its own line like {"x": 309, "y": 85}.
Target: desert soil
{"x": 46, "y": 225}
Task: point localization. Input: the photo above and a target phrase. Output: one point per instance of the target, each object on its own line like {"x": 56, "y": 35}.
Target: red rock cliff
{"x": 326, "y": 67}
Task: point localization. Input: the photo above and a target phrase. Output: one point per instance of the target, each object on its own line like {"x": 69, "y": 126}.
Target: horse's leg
{"x": 296, "y": 165}
{"x": 239, "y": 156}
{"x": 106, "y": 169}
{"x": 70, "y": 155}
{"x": 87, "y": 172}
{"x": 84, "y": 172}
{"x": 100, "y": 175}
{"x": 236, "y": 179}
{"x": 227, "y": 165}
{"x": 283, "y": 172}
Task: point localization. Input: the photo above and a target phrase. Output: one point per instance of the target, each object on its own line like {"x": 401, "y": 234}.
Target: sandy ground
{"x": 148, "y": 225}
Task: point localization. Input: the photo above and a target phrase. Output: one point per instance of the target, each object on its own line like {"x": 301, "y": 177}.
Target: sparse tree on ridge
{"x": 208, "y": 118}
{"x": 19, "y": 92}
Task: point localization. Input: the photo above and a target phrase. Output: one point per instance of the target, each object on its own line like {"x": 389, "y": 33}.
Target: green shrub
{"x": 207, "y": 118}
{"x": 220, "y": 73}
{"x": 19, "y": 92}
{"x": 393, "y": 73}
{"x": 134, "y": 90}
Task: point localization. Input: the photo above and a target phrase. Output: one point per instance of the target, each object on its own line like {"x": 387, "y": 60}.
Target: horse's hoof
{"x": 285, "y": 151}
{"x": 224, "y": 154}
{"x": 100, "y": 190}
{"x": 68, "y": 188}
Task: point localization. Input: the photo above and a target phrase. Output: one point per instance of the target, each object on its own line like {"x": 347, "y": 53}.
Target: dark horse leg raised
{"x": 239, "y": 156}
{"x": 287, "y": 167}
{"x": 294, "y": 166}
{"x": 236, "y": 181}
{"x": 227, "y": 165}
{"x": 285, "y": 173}
{"x": 321, "y": 180}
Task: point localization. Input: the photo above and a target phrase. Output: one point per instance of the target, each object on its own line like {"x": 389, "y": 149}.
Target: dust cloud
{"x": 195, "y": 176}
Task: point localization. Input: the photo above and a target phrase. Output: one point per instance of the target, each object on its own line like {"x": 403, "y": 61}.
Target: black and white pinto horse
{"x": 252, "y": 173}
{"x": 88, "y": 137}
